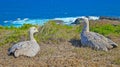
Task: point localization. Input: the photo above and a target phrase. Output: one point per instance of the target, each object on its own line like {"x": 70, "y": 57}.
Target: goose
{"x": 94, "y": 40}
{"x": 26, "y": 48}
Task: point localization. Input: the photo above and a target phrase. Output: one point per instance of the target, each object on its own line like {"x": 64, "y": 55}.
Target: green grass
{"x": 55, "y": 33}
{"x": 13, "y": 34}
{"x": 107, "y": 29}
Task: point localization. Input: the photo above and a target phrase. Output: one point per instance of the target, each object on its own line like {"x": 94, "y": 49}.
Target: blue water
{"x": 49, "y": 9}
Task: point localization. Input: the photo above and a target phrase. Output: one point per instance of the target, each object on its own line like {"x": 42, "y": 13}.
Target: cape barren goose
{"x": 27, "y": 48}
{"x": 95, "y": 40}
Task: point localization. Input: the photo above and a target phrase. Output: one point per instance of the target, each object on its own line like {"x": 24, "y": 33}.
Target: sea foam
{"x": 67, "y": 20}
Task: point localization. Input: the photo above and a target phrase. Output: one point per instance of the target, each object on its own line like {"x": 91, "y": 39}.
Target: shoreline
{"x": 65, "y": 20}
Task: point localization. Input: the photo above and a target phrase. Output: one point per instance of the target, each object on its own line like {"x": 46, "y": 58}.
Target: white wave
{"x": 6, "y": 21}
{"x": 93, "y": 18}
{"x": 66, "y": 20}
{"x": 72, "y": 19}
{"x": 28, "y": 21}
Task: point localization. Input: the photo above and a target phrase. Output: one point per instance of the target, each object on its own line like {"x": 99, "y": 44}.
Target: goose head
{"x": 84, "y": 20}
{"x": 33, "y": 30}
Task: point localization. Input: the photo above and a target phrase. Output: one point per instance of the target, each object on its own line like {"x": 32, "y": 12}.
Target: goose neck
{"x": 86, "y": 27}
{"x": 32, "y": 36}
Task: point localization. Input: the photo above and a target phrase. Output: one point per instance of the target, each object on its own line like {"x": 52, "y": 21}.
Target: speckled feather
{"x": 26, "y": 48}
{"x": 95, "y": 40}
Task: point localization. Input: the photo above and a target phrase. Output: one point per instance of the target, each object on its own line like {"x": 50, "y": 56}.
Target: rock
{"x": 93, "y": 17}
{"x": 77, "y": 21}
{"x": 58, "y": 21}
{"x": 109, "y": 18}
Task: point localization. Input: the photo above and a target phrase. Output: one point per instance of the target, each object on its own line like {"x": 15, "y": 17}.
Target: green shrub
{"x": 106, "y": 29}
{"x": 26, "y": 26}
{"x": 55, "y": 33}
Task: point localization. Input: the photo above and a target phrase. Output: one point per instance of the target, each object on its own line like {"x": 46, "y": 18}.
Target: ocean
{"x": 18, "y": 12}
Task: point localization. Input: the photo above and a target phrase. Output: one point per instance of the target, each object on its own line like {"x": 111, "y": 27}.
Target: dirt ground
{"x": 65, "y": 54}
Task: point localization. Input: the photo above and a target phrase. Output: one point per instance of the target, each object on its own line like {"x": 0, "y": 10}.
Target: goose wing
{"x": 20, "y": 45}
{"x": 97, "y": 41}
{"x": 100, "y": 41}
{"x": 110, "y": 42}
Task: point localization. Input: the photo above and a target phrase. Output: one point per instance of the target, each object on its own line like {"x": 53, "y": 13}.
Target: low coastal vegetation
{"x": 57, "y": 34}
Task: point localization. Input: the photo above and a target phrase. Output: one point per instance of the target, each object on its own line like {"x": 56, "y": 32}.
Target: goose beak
{"x": 37, "y": 31}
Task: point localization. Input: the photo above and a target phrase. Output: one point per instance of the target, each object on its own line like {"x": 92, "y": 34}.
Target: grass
{"x": 106, "y": 29}
{"x": 12, "y": 34}
{"x": 52, "y": 33}
{"x": 116, "y": 61}
{"x": 55, "y": 33}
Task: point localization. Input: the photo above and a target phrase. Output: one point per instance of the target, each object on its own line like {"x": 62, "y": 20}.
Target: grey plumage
{"x": 95, "y": 40}
{"x": 26, "y": 48}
